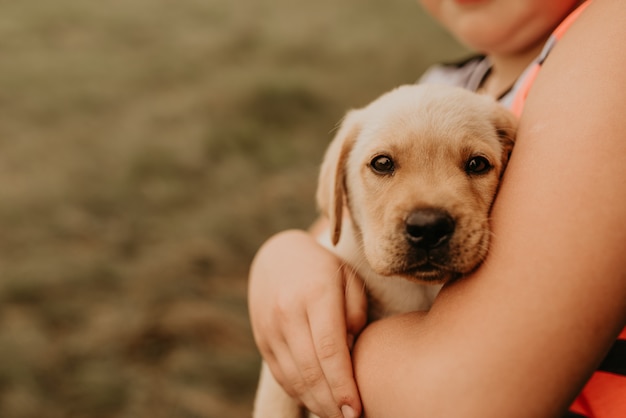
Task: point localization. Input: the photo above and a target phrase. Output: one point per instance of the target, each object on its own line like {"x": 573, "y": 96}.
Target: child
{"x": 524, "y": 333}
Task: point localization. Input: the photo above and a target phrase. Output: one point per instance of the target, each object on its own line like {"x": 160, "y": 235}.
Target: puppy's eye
{"x": 478, "y": 165}
{"x": 382, "y": 164}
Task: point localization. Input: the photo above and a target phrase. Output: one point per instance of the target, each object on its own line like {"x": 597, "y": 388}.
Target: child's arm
{"x": 520, "y": 337}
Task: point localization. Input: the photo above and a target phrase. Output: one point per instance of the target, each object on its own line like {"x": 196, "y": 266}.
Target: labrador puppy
{"x": 407, "y": 185}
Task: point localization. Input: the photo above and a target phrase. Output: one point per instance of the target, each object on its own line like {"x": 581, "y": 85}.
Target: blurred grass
{"x": 147, "y": 148}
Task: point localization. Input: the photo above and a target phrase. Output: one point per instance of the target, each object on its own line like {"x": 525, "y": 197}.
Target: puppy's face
{"x": 418, "y": 170}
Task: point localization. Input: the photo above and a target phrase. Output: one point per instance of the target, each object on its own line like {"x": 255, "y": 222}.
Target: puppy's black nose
{"x": 429, "y": 228}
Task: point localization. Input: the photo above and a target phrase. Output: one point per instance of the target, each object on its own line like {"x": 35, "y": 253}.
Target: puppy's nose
{"x": 429, "y": 228}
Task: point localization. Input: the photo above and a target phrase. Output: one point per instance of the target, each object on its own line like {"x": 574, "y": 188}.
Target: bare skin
{"x": 511, "y": 33}
{"x": 315, "y": 365}
{"x": 522, "y": 335}
{"x": 552, "y": 284}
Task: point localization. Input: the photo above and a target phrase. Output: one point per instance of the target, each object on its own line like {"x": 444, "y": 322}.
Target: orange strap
{"x": 520, "y": 97}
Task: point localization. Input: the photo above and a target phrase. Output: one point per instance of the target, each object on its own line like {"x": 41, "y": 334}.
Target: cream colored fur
{"x": 430, "y": 132}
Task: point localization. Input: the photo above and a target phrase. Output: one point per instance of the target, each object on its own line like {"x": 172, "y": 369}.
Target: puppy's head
{"x": 418, "y": 170}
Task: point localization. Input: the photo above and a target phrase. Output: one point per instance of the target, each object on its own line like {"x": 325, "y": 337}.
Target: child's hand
{"x": 306, "y": 308}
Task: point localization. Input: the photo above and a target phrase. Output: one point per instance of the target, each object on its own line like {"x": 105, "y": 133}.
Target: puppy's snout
{"x": 429, "y": 228}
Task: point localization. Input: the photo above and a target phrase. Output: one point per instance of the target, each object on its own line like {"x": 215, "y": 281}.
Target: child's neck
{"x": 506, "y": 69}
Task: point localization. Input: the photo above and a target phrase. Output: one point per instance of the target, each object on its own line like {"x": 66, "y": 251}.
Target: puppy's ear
{"x": 331, "y": 184}
{"x": 505, "y": 123}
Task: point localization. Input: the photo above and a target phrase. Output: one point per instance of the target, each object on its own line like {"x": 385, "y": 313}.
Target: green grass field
{"x": 147, "y": 148}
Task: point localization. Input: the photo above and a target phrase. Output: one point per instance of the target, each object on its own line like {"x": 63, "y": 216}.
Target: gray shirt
{"x": 471, "y": 73}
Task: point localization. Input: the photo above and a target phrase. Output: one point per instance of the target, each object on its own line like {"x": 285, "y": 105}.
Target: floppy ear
{"x": 331, "y": 183}
{"x": 505, "y": 123}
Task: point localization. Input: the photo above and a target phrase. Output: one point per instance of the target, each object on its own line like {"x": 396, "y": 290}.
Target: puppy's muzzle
{"x": 429, "y": 229}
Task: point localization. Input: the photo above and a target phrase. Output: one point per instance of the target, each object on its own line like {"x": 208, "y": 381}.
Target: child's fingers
{"x": 295, "y": 367}
{"x": 328, "y": 332}
{"x": 311, "y": 385}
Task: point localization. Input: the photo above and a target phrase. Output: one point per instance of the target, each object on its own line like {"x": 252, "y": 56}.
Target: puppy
{"x": 407, "y": 185}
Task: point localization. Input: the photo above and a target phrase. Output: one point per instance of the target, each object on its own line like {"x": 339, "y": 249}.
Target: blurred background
{"x": 147, "y": 148}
